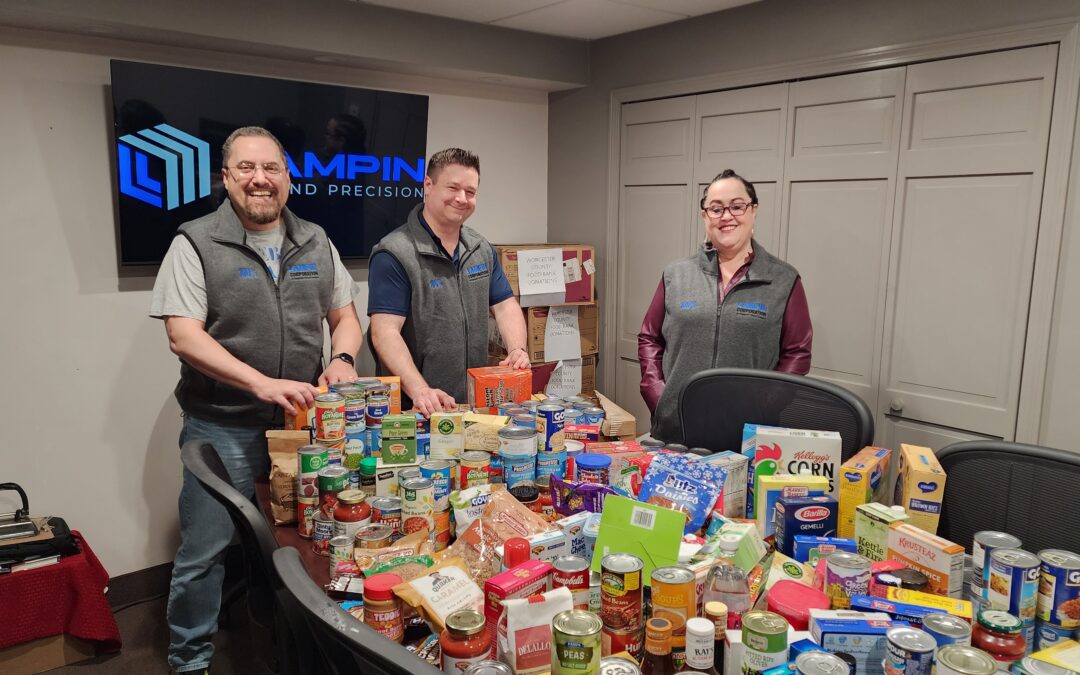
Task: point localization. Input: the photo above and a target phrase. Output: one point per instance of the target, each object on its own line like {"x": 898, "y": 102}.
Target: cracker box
{"x": 920, "y": 486}
{"x": 940, "y": 560}
{"x": 447, "y": 433}
{"x": 769, "y": 489}
{"x": 735, "y": 486}
{"x": 812, "y": 516}
{"x": 872, "y": 523}
{"x": 774, "y": 451}
{"x": 860, "y": 634}
{"x": 531, "y": 577}
{"x": 863, "y": 479}
{"x": 808, "y": 549}
{"x": 489, "y": 386}
{"x": 482, "y": 431}
{"x": 399, "y": 439}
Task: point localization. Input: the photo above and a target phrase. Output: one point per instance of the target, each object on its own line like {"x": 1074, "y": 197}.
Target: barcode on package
{"x": 643, "y": 518}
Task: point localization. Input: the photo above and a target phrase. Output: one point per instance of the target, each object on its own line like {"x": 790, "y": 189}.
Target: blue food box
{"x": 804, "y": 516}
{"x": 808, "y": 549}
{"x": 801, "y": 647}
{"x": 901, "y": 611}
{"x": 860, "y": 634}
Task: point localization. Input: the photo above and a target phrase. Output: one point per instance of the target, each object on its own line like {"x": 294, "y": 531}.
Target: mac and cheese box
{"x": 920, "y": 486}
{"x": 863, "y": 479}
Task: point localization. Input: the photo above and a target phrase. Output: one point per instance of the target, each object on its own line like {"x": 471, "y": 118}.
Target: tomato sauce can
{"x": 572, "y": 572}
{"x": 439, "y": 472}
{"x": 618, "y": 640}
{"x": 417, "y": 505}
{"x": 908, "y": 651}
{"x": 576, "y": 644}
{"x": 621, "y": 591}
{"x": 330, "y": 416}
{"x": 1059, "y": 588}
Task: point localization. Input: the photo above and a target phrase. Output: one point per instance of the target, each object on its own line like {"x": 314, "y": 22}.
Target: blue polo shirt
{"x": 389, "y": 290}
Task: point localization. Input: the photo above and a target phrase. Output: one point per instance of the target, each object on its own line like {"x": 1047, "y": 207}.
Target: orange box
{"x": 305, "y": 417}
{"x": 489, "y": 386}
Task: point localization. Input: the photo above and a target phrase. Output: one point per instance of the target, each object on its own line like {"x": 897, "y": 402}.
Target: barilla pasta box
{"x": 771, "y": 487}
{"x": 940, "y": 560}
{"x": 447, "y": 430}
{"x": 864, "y": 478}
{"x": 808, "y": 549}
{"x": 734, "y": 494}
{"x": 814, "y": 516}
{"x": 531, "y": 577}
{"x": 920, "y": 486}
{"x": 774, "y": 451}
{"x": 489, "y": 386}
{"x": 872, "y": 523}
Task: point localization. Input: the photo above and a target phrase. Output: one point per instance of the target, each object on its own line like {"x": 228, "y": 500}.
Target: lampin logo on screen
{"x": 186, "y": 162}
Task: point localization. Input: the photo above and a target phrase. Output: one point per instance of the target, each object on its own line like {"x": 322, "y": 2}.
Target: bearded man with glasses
{"x": 243, "y": 293}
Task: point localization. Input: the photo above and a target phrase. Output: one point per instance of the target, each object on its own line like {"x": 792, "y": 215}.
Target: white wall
{"x": 89, "y": 423}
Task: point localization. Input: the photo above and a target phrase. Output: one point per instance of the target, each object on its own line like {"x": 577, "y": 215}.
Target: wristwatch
{"x": 347, "y": 358}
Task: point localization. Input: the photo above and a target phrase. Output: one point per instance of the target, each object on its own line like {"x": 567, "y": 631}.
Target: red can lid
{"x": 380, "y": 586}
{"x": 793, "y": 601}
{"x": 516, "y": 551}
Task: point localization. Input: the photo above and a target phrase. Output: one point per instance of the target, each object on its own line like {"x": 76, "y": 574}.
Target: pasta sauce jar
{"x": 465, "y": 641}
{"x": 1000, "y": 635}
{"x": 351, "y": 513}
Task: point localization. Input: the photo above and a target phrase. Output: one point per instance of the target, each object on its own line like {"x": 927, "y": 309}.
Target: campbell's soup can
{"x": 330, "y": 416}
{"x": 417, "y": 505}
{"x": 572, "y": 572}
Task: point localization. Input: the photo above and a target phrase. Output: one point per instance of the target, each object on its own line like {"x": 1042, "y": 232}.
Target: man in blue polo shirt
{"x": 431, "y": 285}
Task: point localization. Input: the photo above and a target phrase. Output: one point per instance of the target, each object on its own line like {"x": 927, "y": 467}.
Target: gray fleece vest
{"x": 741, "y": 332}
{"x": 276, "y": 329}
{"x": 447, "y": 327}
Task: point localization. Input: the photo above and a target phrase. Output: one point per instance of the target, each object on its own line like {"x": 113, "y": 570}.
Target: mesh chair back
{"x": 716, "y": 403}
{"x": 346, "y": 645}
{"x": 1028, "y": 491}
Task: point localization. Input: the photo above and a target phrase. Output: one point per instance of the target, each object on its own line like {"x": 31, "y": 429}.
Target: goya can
{"x": 322, "y": 531}
{"x": 387, "y": 511}
{"x": 674, "y": 597}
{"x": 1059, "y": 588}
{"x": 909, "y": 651}
{"x": 309, "y": 460}
{"x": 820, "y": 663}
{"x": 341, "y": 550}
{"x": 378, "y": 407}
{"x": 846, "y": 574}
{"x": 1014, "y": 583}
{"x": 417, "y": 505}
{"x": 473, "y": 469}
{"x": 620, "y": 590}
{"x": 576, "y": 643}
{"x": 964, "y": 660}
{"x": 617, "y": 665}
{"x": 549, "y": 428}
{"x": 332, "y": 480}
{"x": 982, "y": 546}
{"x": 765, "y": 641}
{"x": 947, "y": 629}
{"x": 439, "y": 472}
{"x": 572, "y": 572}
{"x": 618, "y": 640}
{"x": 330, "y": 416}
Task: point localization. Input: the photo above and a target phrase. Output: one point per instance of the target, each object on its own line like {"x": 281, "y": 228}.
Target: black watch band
{"x": 347, "y": 358}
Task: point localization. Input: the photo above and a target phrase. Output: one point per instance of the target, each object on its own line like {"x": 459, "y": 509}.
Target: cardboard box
{"x": 482, "y": 431}
{"x": 579, "y": 272}
{"x": 38, "y": 656}
{"x": 872, "y": 523}
{"x": 940, "y": 560}
{"x": 542, "y": 375}
{"x": 774, "y": 450}
{"x": 769, "y": 490}
{"x": 490, "y": 386}
{"x": 735, "y": 486}
{"x": 399, "y": 439}
{"x": 447, "y": 435}
{"x": 864, "y": 478}
{"x": 920, "y": 486}
{"x": 536, "y": 325}
{"x": 618, "y": 423}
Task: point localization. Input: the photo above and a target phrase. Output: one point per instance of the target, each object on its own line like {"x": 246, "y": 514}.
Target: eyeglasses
{"x": 249, "y": 168}
{"x": 717, "y": 212}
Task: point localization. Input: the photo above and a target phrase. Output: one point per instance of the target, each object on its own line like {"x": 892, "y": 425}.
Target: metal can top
{"x": 570, "y": 563}
{"x": 517, "y": 433}
{"x": 572, "y": 414}
{"x": 765, "y": 623}
{"x": 672, "y": 574}
{"x": 333, "y": 471}
{"x": 1015, "y": 557}
{"x": 577, "y": 622}
{"x": 347, "y": 389}
{"x": 820, "y": 663}
{"x": 408, "y": 474}
{"x": 911, "y": 639}
{"x": 351, "y": 496}
{"x": 525, "y": 419}
{"x": 341, "y": 541}
{"x": 386, "y": 504}
{"x": 847, "y": 560}
{"x": 1037, "y": 667}
{"x": 436, "y": 465}
{"x": 415, "y": 484}
{"x": 1058, "y": 558}
{"x": 329, "y": 397}
{"x": 621, "y": 563}
{"x": 377, "y": 397}
{"x": 593, "y": 410}
{"x": 489, "y": 668}
{"x": 312, "y": 450}
{"x": 465, "y": 622}
{"x": 996, "y": 539}
{"x": 374, "y": 532}
{"x": 550, "y": 407}
{"x": 616, "y": 665}
{"x": 475, "y": 456}
{"x": 967, "y": 660}
{"x": 572, "y": 446}
{"x": 946, "y": 625}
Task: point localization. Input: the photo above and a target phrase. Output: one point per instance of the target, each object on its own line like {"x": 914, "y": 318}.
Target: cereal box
{"x": 734, "y": 494}
{"x": 863, "y": 479}
{"x": 774, "y": 450}
{"x": 872, "y": 522}
{"x": 769, "y": 489}
{"x": 489, "y": 386}
{"x": 941, "y": 561}
{"x": 920, "y": 486}
{"x": 447, "y": 430}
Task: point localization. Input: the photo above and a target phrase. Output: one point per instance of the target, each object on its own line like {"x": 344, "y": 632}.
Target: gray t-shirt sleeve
{"x": 180, "y": 287}
{"x": 343, "y": 282}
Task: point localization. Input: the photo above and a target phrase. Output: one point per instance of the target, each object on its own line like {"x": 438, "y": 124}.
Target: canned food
{"x": 528, "y": 494}
{"x": 373, "y": 535}
{"x": 306, "y": 508}
{"x": 341, "y": 550}
{"x": 417, "y": 505}
{"x": 551, "y": 464}
{"x": 309, "y": 460}
{"x": 905, "y": 578}
{"x": 576, "y": 643}
{"x": 820, "y": 663}
{"x": 573, "y": 448}
{"x": 593, "y": 468}
{"x": 373, "y": 438}
{"x": 322, "y": 531}
{"x": 947, "y": 629}
{"x": 439, "y": 472}
{"x": 595, "y": 601}
{"x": 572, "y": 572}
{"x": 489, "y": 667}
{"x": 387, "y": 511}
{"x": 330, "y": 416}
{"x": 378, "y": 407}
{"x": 618, "y": 640}
{"x": 1014, "y": 582}
{"x": 524, "y": 419}
{"x": 473, "y": 469}
{"x": 332, "y": 480}
{"x": 964, "y": 660}
{"x": 571, "y": 416}
{"x": 517, "y": 449}
{"x": 549, "y": 428}
{"x": 1047, "y": 635}
{"x": 674, "y": 597}
{"x": 351, "y": 513}
{"x": 592, "y": 415}
{"x": 765, "y": 641}
{"x": 984, "y": 544}
{"x": 620, "y": 590}
{"x": 440, "y": 533}
{"x": 617, "y": 665}
{"x": 846, "y": 574}
{"x": 1033, "y": 666}
{"x": 1059, "y": 588}
{"x": 909, "y": 651}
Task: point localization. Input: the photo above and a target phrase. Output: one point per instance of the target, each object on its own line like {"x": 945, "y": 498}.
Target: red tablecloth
{"x": 68, "y": 597}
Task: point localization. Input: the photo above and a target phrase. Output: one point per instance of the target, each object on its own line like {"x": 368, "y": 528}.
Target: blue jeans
{"x": 205, "y": 532}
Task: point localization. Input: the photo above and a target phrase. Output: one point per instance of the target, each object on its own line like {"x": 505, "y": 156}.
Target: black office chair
{"x": 269, "y": 633}
{"x": 346, "y": 645}
{"x": 715, "y": 404}
{"x": 1025, "y": 490}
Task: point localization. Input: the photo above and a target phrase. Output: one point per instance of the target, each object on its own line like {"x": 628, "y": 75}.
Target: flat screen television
{"x": 355, "y": 156}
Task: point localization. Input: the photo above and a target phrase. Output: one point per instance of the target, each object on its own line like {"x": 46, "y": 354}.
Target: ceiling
{"x": 580, "y": 19}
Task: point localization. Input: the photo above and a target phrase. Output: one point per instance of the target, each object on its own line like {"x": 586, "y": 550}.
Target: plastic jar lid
{"x": 368, "y": 465}
{"x": 793, "y": 601}
{"x": 999, "y": 621}
{"x": 591, "y": 460}
{"x": 381, "y": 586}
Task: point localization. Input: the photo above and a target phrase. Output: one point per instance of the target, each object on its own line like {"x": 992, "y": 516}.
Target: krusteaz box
{"x": 773, "y": 450}
{"x": 864, "y": 478}
{"x": 920, "y": 486}
{"x": 399, "y": 439}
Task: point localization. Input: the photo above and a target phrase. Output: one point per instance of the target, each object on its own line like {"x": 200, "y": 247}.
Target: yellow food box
{"x": 864, "y": 478}
{"x": 954, "y": 606}
{"x": 920, "y": 486}
{"x": 940, "y": 560}
{"x": 482, "y": 431}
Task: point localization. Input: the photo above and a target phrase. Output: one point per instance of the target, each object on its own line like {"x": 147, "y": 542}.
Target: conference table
{"x": 318, "y": 566}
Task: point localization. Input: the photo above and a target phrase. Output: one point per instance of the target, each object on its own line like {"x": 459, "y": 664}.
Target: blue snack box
{"x": 863, "y": 637}
{"x": 806, "y": 516}
{"x": 808, "y": 549}
{"x": 900, "y": 611}
{"x": 802, "y": 646}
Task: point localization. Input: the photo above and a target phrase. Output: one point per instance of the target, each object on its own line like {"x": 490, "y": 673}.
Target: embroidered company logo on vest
{"x": 477, "y": 271}
{"x": 303, "y": 271}
{"x": 687, "y": 304}
{"x": 183, "y": 159}
{"x": 755, "y": 309}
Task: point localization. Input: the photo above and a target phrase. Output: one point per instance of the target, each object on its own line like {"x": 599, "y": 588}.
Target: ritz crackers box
{"x": 920, "y": 486}
{"x": 864, "y": 478}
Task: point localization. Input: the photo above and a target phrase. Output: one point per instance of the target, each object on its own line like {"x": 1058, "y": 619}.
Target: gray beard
{"x": 261, "y": 218}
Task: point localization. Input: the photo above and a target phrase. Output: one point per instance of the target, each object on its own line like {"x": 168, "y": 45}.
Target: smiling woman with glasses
{"x": 732, "y": 304}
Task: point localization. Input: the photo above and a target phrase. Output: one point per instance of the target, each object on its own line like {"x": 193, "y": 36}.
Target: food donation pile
{"x": 515, "y": 538}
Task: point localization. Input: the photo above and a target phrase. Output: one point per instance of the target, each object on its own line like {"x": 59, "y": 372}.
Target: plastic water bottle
{"x": 728, "y": 584}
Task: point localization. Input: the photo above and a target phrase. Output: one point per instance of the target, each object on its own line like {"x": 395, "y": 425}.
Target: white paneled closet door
{"x": 843, "y": 136}
{"x": 970, "y": 177}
